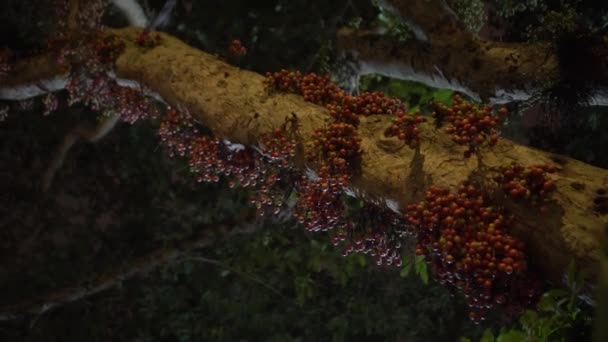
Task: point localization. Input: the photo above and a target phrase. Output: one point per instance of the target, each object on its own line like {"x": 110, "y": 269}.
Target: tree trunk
{"x": 236, "y": 105}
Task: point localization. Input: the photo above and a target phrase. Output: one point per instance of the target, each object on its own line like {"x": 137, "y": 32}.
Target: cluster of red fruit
{"x": 530, "y": 183}
{"x": 236, "y": 48}
{"x": 320, "y": 206}
{"x": 406, "y": 128}
{"x": 374, "y": 231}
{"x": 205, "y": 158}
{"x": 469, "y": 124}
{"x": 312, "y": 87}
{"x": 51, "y": 103}
{"x": 343, "y": 107}
{"x": 147, "y": 39}
{"x": 107, "y": 48}
{"x": 465, "y": 241}
{"x": 90, "y": 63}
{"x": 132, "y": 105}
{"x": 209, "y": 158}
{"x": 271, "y": 194}
{"x": 338, "y": 145}
{"x": 176, "y": 131}
{"x": 278, "y": 147}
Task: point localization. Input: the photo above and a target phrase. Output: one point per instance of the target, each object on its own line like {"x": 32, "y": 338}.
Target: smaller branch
{"x": 133, "y": 11}
{"x": 234, "y": 270}
{"x": 81, "y": 131}
{"x": 138, "y": 266}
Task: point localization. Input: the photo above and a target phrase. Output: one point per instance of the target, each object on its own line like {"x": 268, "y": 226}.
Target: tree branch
{"x": 82, "y": 131}
{"x": 138, "y": 266}
{"x": 236, "y": 105}
{"x": 446, "y": 55}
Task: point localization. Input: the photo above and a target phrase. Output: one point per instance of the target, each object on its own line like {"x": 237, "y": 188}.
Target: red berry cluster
{"x": 465, "y": 241}
{"x": 236, "y": 48}
{"x": 319, "y": 206}
{"x": 406, "y": 128}
{"x": 530, "y": 183}
{"x": 278, "y": 147}
{"x": 374, "y": 231}
{"x": 205, "y": 158}
{"x": 470, "y": 124}
{"x": 342, "y": 107}
{"x": 90, "y": 15}
{"x": 271, "y": 194}
{"x": 131, "y": 105}
{"x": 176, "y": 131}
{"x": 338, "y": 145}
{"x": 51, "y": 103}
{"x": 147, "y": 39}
{"x": 90, "y": 63}
{"x": 105, "y": 48}
{"x": 314, "y": 88}
{"x": 209, "y": 158}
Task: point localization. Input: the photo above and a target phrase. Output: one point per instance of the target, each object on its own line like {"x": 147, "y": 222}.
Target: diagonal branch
{"x": 500, "y": 72}
{"x": 82, "y": 131}
{"x": 235, "y": 104}
{"x": 132, "y": 268}
{"x": 446, "y": 55}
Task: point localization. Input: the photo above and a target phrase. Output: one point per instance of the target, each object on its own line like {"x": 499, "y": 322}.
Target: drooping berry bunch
{"x": 320, "y": 206}
{"x": 51, "y": 103}
{"x": 405, "y": 127}
{"x": 131, "y": 105}
{"x": 205, "y": 158}
{"x": 210, "y": 158}
{"x": 531, "y": 183}
{"x": 338, "y": 145}
{"x": 90, "y": 64}
{"x": 147, "y": 39}
{"x": 278, "y": 147}
{"x": 273, "y": 191}
{"x": 90, "y": 14}
{"x": 236, "y": 48}
{"x": 176, "y": 131}
{"x": 469, "y": 124}
{"x": 466, "y": 241}
{"x": 374, "y": 231}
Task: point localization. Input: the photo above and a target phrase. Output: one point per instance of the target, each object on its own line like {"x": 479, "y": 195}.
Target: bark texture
{"x": 444, "y": 54}
{"x": 236, "y": 105}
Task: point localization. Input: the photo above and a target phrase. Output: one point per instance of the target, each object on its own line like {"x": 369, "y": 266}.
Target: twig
{"x": 232, "y": 269}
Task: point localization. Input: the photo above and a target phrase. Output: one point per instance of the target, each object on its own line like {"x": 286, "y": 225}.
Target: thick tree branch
{"x": 236, "y": 105}
{"x": 138, "y": 266}
{"x": 449, "y": 56}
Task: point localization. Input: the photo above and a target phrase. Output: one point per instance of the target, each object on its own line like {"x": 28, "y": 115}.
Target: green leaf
{"x": 465, "y": 339}
{"x": 528, "y": 320}
{"x": 421, "y": 269}
{"x": 487, "y": 336}
{"x": 407, "y": 267}
{"x": 511, "y": 336}
{"x": 443, "y": 96}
